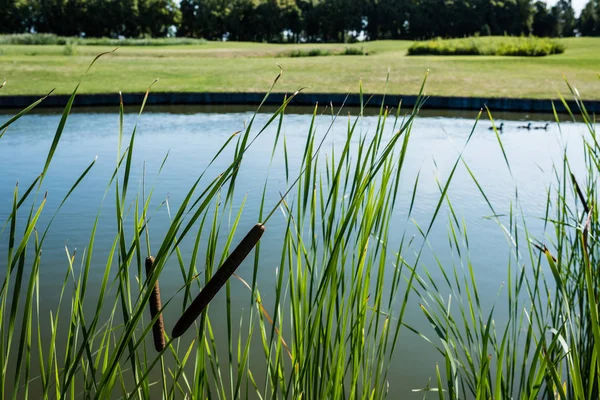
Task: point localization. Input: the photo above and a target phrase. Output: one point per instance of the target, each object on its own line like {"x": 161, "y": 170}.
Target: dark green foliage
{"x": 296, "y": 20}
{"x": 507, "y": 46}
{"x": 565, "y": 17}
{"x": 544, "y": 22}
{"x": 354, "y": 51}
{"x": 12, "y": 16}
{"x": 589, "y": 20}
{"x": 90, "y": 18}
{"x": 157, "y": 16}
{"x": 485, "y": 30}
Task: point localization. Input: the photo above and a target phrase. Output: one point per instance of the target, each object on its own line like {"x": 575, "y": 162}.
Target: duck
{"x": 491, "y": 128}
{"x": 528, "y": 126}
{"x": 545, "y": 127}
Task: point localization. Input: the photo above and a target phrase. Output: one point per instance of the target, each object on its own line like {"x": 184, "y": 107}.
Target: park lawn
{"x": 251, "y": 67}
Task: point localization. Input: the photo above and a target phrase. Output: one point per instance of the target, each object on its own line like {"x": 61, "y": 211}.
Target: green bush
{"x": 532, "y": 47}
{"x": 354, "y": 51}
{"x": 29, "y": 38}
{"x": 140, "y": 41}
{"x": 488, "y": 46}
{"x": 316, "y": 52}
{"x": 49, "y": 39}
{"x": 70, "y": 48}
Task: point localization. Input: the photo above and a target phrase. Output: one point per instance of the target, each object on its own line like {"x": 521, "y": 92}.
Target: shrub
{"x": 445, "y": 47}
{"x": 354, "y": 51}
{"x": 70, "y": 48}
{"x": 316, "y": 52}
{"x": 49, "y": 39}
{"x": 30, "y": 38}
{"x": 532, "y": 47}
{"x": 488, "y": 46}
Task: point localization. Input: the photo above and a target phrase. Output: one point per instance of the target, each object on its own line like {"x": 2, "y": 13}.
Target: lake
{"x": 191, "y": 136}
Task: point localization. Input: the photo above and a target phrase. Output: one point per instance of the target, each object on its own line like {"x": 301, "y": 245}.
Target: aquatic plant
{"x": 328, "y": 328}
{"x": 547, "y": 345}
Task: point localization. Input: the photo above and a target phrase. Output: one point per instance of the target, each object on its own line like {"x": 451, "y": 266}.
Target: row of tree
{"x": 96, "y": 18}
{"x": 298, "y": 20}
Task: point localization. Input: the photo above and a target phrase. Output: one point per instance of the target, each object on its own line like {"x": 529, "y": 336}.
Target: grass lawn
{"x": 251, "y": 67}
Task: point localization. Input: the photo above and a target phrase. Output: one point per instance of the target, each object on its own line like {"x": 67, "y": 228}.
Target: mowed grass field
{"x": 251, "y": 67}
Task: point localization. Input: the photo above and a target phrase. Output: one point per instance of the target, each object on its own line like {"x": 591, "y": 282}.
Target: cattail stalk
{"x": 218, "y": 280}
{"x": 158, "y": 329}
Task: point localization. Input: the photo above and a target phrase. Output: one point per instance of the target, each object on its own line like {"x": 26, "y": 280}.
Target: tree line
{"x": 298, "y": 20}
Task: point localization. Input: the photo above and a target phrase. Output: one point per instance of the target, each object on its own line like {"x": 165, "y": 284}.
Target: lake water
{"x": 192, "y": 135}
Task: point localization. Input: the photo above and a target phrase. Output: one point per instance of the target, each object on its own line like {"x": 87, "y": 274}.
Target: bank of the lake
{"x": 303, "y": 99}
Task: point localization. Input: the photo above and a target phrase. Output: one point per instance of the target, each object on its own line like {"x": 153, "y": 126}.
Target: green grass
{"x": 329, "y": 329}
{"x": 248, "y": 67}
{"x": 488, "y": 46}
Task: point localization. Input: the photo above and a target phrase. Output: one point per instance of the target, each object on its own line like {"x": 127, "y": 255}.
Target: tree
{"x": 62, "y": 17}
{"x": 544, "y": 22}
{"x": 430, "y": 18}
{"x": 291, "y": 18}
{"x": 297, "y": 20}
{"x": 565, "y": 18}
{"x": 387, "y": 19}
{"x": 202, "y": 18}
{"x": 125, "y": 14}
{"x": 156, "y": 17}
{"x": 338, "y": 17}
{"x": 512, "y": 17}
{"x": 589, "y": 20}
{"x": 15, "y": 16}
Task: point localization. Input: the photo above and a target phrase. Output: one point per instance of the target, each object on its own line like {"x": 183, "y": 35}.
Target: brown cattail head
{"x": 218, "y": 280}
{"x": 158, "y": 329}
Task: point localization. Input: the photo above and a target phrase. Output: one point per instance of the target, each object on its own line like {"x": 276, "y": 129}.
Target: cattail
{"x": 218, "y": 280}
{"x": 158, "y": 329}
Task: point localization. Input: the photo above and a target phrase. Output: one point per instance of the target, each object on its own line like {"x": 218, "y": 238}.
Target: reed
{"x": 547, "y": 345}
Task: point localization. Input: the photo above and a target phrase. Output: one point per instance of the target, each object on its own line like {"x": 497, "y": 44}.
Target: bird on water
{"x": 528, "y": 126}
{"x": 491, "y": 128}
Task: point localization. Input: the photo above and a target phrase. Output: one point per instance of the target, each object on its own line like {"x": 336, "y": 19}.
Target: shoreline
{"x": 302, "y": 99}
